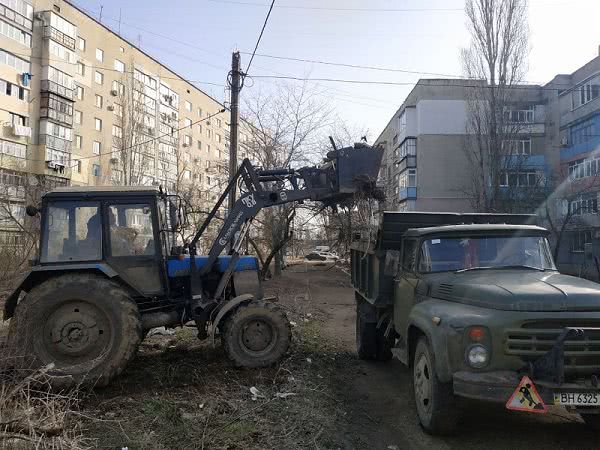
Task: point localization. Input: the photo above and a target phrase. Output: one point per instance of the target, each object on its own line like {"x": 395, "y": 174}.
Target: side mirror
{"x": 174, "y": 216}
{"x": 31, "y": 210}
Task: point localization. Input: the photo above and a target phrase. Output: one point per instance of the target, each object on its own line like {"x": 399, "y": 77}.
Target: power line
{"x": 144, "y": 142}
{"x": 323, "y": 8}
{"x": 354, "y": 66}
{"x": 420, "y": 83}
{"x": 260, "y": 36}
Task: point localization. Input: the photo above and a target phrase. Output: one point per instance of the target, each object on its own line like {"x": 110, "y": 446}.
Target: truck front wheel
{"x": 84, "y": 327}
{"x": 257, "y": 334}
{"x": 434, "y": 400}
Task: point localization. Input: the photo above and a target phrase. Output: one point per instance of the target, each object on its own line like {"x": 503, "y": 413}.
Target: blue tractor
{"x": 109, "y": 270}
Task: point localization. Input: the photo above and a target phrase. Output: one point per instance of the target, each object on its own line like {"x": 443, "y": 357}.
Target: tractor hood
{"x": 517, "y": 290}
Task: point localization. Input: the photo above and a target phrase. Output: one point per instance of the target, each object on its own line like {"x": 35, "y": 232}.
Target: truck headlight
{"x": 477, "y": 356}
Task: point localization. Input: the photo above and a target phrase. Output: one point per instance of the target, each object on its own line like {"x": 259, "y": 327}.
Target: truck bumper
{"x": 498, "y": 386}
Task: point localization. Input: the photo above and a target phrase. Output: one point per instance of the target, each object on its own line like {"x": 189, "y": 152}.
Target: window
{"x": 586, "y": 92}
{"x": 408, "y": 254}
{"x": 77, "y": 117}
{"x": 525, "y": 115}
{"x": 19, "y": 64}
{"x": 219, "y": 123}
{"x": 188, "y": 106}
{"x": 118, "y": 109}
{"x": 402, "y": 122}
{"x": 521, "y": 179}
{"x": 582, "y": 168}
{"x": 119, "y": 88}
{"x": 17, "y": 119}
{"x": 119, "y": 65}
{"x": 78, "y": 142}
{"x": 96, "y": 170}
{"x": 13, "y": 149}
{"x": 56, "y": 130}
{"x": 143, "y": 78}
{"x": 187, "y": 122}
{"x": 81, "y": 69}
{"x": 73, "y": 231}
{"x": 79, "y": 93}
{"x": 131, "y": 231}
{"x": 100, "y": 54}
{"x": 98, "y": 77}
{"x": 218, "y": 137}
{"x": 63, "y": 26}
{"x": 199, "y": 145}
{"x": 579, "y": 239}
{"x": 121, "y": 49}
{"x": 407, "y": 148}
{"x": 98, "y": 101}
{"x": 187, "y": 141}
{"x": 199, "y": 112}
{"x": 98, "y": 124}
{"x": 208, "y": 149}
{"x": 583, "y": 132}
{"x": 81, "y": 44}
{"x": 18, "y": 11}
{"x": 15, "y": 33}
{"x": 587, "y": 205}
{"x": 78, "y": 165}
{"x": 117, "y": 131}
{"x": 518, "y": 147}
{"x": 208, "y": 133}
{"x": 187, "y": 175}
{"x": 408, "y": 178}
{"x": 12, "y": 90}
{"x": 62, "y": 52}
{"x": 96, "y": 148}
{"x": 199, "y": 129}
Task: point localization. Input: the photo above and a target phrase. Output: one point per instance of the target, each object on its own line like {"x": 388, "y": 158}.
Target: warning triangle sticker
{"x": 526, "y": 398}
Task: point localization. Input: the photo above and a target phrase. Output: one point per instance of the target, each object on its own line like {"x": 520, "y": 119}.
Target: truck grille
{"x": 535, "y": 339}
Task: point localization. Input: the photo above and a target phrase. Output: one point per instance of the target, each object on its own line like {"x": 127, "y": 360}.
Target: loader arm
{"x": 268, "y": 188}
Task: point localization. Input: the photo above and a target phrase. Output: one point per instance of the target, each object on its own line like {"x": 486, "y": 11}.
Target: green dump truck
{"x": 475, "y": 306}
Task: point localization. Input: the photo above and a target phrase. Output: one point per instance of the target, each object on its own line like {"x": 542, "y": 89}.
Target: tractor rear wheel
{"x": 257, "y": 334}
{"x": 85, "y": 325}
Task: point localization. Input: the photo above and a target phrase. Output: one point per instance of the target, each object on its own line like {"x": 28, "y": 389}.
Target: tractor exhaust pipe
{"x": 160, "y": 319}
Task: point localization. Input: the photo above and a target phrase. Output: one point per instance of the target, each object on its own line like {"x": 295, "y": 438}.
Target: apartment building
{"x": 80, "y": 105}
{"x": 425, "y": 165}
{"x": 575, "y": 98}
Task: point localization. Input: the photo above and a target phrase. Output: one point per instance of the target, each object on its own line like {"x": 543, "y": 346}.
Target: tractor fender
{"x": 39, "y": 274}
{"x": 226, "y": 308}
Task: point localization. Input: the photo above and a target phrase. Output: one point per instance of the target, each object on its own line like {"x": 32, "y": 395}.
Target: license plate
{"x": 577, "y": 398}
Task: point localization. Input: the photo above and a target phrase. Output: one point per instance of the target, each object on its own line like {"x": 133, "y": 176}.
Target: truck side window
{"x": 408, "y": 254}
{"x": 131, "y": 231}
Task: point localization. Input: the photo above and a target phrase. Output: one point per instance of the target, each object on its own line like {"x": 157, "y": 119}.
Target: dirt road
{"x": 377, "y": 398}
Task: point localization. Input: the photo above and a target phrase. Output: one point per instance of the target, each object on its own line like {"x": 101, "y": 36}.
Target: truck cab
{"x": 474, "y": 303}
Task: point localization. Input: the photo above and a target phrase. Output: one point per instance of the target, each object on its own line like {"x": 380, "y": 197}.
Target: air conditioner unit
{"x": 564, "y": 141}
{"x": 197, "y": 160}
{"x": 110, "y": 108}
{"x": 151, "y": 131}
{"x": 114, "y": 92}
{"x": 114, "y": 160}
{"x": 208, "y": 122}
{"x": 174, "y": 115}
{"x": 186, "y": 145}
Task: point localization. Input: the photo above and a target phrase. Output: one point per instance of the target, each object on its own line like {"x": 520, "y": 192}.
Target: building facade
{"x": 80, "y": 105}
{"x": 426, "y": 165}
{"x": 576, "y": 100}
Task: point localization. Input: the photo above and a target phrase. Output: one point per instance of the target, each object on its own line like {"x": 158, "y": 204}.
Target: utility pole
{"x": 234, "y": 122}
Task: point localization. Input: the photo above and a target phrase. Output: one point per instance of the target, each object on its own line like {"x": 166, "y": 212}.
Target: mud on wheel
{"x": 84, "y": 324}
{"x": 257, "y": 334}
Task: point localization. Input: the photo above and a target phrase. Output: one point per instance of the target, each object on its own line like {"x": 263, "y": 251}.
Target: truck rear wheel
{"x": 86, "y": 325}
{"x": 257, "y": 334}
{"x": 371, "y": 343}
{"x": 434, "y": 399}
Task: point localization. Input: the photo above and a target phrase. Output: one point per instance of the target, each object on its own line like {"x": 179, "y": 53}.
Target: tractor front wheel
{"x": 84, "y": 327}
{"x": 257, "y": 334}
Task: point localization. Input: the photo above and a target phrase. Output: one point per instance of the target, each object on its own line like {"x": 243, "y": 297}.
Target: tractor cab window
{"x": 131, "y": 230}
{"x": 72, "y": 232}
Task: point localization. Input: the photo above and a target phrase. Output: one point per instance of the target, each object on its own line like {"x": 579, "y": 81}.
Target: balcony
{"x": 408, "y": 162}
{"x": 525, "y": 128}
{"x": 56, "y": 115}
{"x": 59, "y": 36}
{"x": 21, "y": 131}
{"x": 55, "y": 88}
{"x": 408, "y": 193}
{"x": 56, "y": 143}
{"x": 525, "y": 161}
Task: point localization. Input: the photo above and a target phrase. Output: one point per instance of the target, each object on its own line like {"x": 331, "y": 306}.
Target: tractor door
{"x": 133, "y": 246}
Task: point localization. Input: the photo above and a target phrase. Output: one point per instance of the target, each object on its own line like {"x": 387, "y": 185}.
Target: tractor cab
{"x": 126, "y": 230}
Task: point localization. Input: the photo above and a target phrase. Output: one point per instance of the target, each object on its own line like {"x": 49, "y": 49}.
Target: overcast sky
{"x": 198, "y": 37}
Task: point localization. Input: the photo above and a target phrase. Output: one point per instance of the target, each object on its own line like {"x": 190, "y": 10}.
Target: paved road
{"x": 378, "y": 397}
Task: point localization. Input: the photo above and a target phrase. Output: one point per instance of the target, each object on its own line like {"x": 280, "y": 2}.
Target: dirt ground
{"x": 182, "y": 394}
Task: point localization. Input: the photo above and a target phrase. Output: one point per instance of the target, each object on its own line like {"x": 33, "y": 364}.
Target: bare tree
{"x": 497, "y": 61}
{"x": 285, "y": 129}
{"x": 134, "y": 127}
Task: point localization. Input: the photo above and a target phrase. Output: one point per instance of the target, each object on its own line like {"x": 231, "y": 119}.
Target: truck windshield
{"x": 484, "y": 252}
